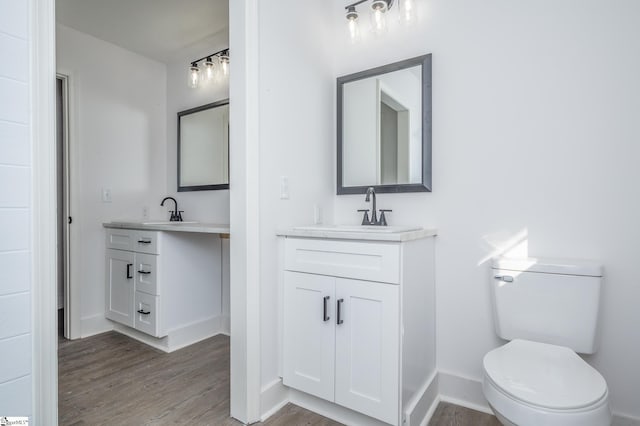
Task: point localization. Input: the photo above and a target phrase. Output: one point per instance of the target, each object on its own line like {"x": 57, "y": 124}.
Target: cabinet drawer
{"x": 146, "y": 273}
{"x": 146, "y": 242}
{"x": 120, "y": 239}
{"x": 147, "y": 315}
{"x": 359, "y": 260}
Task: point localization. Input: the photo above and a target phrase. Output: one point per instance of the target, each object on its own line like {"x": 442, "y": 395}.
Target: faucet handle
{"x": 179, "y": 215}
{"x": 383, "y": 219}
{"x": 365, "y": 219}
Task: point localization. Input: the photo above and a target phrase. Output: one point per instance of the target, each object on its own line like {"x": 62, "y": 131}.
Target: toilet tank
{"x": 548, "y": 301}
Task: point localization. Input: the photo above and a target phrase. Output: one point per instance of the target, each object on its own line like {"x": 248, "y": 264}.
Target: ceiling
{"x": 153, "y": 28}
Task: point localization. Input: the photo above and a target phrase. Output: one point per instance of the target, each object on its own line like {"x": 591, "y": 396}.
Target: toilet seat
{"x": 531, "y": 383}
{"x": 544, "y": 375}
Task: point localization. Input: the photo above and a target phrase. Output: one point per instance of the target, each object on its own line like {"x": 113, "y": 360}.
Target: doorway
{"x": 63, "y": 217}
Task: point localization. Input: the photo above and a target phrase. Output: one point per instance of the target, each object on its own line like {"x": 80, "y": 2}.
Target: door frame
{"x": 72, "y": 323}
{"x": 245, "y": 278}
{"x": 42, "y": 81}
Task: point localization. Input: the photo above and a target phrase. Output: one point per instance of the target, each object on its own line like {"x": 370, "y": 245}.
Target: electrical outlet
{"x": 106, "y": 195}
{"x": 317, "y": 214}
{"x": 145, "y": 212}
{"x": 284, "y": 188}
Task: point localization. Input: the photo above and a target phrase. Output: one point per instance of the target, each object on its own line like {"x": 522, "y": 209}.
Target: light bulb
{"x": 408, "y": 10}
{"x": 352, "y": 18}
{"x": 224, "y": 63}
{"x": 209, "y": 69}
{"x": 194, "y": 77}
{"x": 379, "y": 21}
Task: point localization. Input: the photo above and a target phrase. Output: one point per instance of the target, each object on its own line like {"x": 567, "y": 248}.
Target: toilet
{"x": 548, "y": 310}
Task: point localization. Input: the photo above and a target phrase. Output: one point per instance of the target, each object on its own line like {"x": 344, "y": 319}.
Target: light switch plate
{"x": 106, "y": 195}
{"x": 284, "y": 188}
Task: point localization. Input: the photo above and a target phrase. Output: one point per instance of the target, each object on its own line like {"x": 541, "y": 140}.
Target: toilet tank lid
{"x": 550, "y": 266}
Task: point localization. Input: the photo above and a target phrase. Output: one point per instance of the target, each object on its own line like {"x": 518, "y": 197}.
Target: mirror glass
{"x": 203, "y": 147}
{"x": 384, "y": 128}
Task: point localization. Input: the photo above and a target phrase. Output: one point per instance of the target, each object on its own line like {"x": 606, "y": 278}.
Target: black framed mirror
{"x": 203, "y": 147}
{"x": 384, "y": 128}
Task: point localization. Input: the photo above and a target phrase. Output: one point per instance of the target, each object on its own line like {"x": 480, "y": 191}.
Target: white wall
{"x": 118, "y": 131}
{"x": 296, "y": 140}
{"x": 204, "y": 206}
{"x": 535, "y": 133}
{"x": 15, "y": 212}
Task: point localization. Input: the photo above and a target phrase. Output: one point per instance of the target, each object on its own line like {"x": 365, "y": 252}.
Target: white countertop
{"x": 204, "y": 228}
{"x": 357, "y": 233}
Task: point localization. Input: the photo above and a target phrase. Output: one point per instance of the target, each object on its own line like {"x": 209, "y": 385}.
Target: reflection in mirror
{"x": 203, "y": 147}
{"x": 384, "y": 128}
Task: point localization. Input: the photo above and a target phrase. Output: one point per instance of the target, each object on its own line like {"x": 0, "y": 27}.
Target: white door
{"x": 368, "y": 348}
{"x": 120, "y": 286}
{"x": 309, "y": 345}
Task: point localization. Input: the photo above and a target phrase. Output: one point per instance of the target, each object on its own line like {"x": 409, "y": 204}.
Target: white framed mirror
{"x": 384, "y": 128}
{"x": 203, "y": 147}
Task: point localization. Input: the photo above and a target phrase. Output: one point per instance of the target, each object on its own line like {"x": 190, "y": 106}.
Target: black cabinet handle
{"x": 129, "y": 265}
{"x": 144, "y": 272}
{"x": 141, "y": 311}
{"x": 144, "y": 241}
{"x": 325, "y": 302}
{"x": 339, "y": 314}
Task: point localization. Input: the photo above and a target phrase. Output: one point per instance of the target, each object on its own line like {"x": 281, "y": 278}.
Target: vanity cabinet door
{"x": 368, "y": 348}
{"x": 309, "y": 345}
{"x": 120, "y": 286}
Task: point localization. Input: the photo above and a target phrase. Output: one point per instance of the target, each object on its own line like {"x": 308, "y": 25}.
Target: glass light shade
{"x": 224, "y": 63}
{"x": 194, "y": 76}
{"x": 209, "y": 70}
{"x": 408, "y": 11}
{"x": 352, "y": 22}
{"x": 378, "y": 18}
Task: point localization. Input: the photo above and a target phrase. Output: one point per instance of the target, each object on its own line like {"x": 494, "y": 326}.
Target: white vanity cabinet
{"x": 165, "y": 287}
{"x": 132, "y": 282}
{"x": 358, "y": 324}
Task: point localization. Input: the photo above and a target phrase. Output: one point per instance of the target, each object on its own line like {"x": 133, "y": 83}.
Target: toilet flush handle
{"x": 505, "y": 278}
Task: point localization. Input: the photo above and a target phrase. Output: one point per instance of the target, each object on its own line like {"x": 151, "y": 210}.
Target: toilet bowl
{"x": 548, "y": 310}
{"x": 530, "y": 383}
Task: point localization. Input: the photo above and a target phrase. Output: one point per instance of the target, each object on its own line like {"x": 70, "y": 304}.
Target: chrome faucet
{"x": 371, "y": 193}
{"x": 176, "y": 215}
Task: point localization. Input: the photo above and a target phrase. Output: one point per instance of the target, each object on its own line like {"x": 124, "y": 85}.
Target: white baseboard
{"x": 225, "y": 325}
{"x": 421, "y": 408}
{"x": 462, "y": 391}
{"x": 331, "y": 410}
{"x": 273, "y": 397}
{"x": 95, "y": 324}
{"x": 177, "y": 338}
{"x": 622, "y": 420}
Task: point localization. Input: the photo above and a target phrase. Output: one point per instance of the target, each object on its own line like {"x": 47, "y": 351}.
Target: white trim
{"x": 73, "y": 323}
{"x": 620, "y": 420}
{"x": 331, "y": 410}
{"x": 274, "y": 396}
{"x": 44, "y": 289}
{"x": 177, "y": 338}
{"x": 94, "y": 324}
{"x": 462, "y": 391}
{"x": 244, "y": 212}
{"x": 419, "y": 410}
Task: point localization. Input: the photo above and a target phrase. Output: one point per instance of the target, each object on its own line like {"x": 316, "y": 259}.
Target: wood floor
{"x": 113, "y": 379}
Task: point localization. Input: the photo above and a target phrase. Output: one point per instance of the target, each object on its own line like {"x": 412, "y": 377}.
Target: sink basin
{"x": 167, "y": 222}
{"x": 357, "y": 228}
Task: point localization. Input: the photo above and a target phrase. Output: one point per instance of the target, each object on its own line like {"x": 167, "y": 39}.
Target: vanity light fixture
{"x": 379, "y": 9}
{"x": 210, "y": 63}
